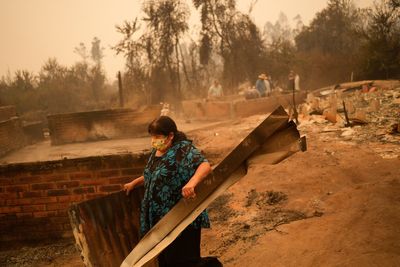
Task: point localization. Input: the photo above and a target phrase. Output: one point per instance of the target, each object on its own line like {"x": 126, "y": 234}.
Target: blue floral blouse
{"x": 164, "y": 178}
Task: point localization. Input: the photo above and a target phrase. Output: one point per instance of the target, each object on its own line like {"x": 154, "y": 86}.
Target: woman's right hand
{"x": 128, "y": 187}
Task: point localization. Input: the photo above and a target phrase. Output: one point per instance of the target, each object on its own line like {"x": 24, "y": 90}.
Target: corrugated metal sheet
{"x": 107, "y": 228}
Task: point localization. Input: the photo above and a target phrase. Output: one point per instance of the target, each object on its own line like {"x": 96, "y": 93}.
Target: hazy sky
{"x": 34, "y": 30}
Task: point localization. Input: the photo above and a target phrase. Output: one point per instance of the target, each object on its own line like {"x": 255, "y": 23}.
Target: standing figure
{"x": 260, "y": 84}
{"x": 293, "y": 86}
{"x": 174, "y": 169}
{"x": 294, "y": 81}
{"x": 267, "y": 82}
{"x": 215, "y": 91}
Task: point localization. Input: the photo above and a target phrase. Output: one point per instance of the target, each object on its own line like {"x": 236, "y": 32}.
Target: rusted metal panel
{"x": 107, "y": 228}
{"x": 185, "y": 211}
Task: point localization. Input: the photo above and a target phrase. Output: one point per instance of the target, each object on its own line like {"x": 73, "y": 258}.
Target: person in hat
{"x": 260, "y": 84}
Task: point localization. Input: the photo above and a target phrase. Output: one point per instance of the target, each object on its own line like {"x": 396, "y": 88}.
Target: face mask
{"x": 159, "y": 143}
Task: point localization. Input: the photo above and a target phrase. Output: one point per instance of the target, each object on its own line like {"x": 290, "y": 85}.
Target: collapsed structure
{"x": 38, "y": 182}
{"x": 366, "y": 111}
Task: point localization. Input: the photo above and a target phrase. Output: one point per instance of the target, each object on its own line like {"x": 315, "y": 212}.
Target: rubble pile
{"x": 365, "y": 113}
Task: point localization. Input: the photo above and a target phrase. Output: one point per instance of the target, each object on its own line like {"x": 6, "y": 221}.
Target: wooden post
{"x": 347, "y": 124}
{"x": 121, "y": 94}
{"x": 295, "y": 114}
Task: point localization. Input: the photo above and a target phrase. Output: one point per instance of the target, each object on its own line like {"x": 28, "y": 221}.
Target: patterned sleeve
{"x": 189, "y": 158}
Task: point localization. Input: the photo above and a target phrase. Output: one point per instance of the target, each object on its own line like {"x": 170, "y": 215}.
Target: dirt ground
{"x": 337, "y": 204}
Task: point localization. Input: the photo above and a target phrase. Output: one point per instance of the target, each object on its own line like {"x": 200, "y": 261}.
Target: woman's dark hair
{"x": 164, "y": 125}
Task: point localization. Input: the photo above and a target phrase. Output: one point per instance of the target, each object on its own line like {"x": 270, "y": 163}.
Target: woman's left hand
{"x": 188, "y": 190}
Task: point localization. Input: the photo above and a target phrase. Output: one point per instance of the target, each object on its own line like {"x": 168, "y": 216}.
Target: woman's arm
{"x": 136, "y": 182}
{"x": 201, "y": 172}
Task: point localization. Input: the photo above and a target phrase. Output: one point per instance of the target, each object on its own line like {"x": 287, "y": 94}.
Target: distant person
{"x": 165, "y": 109}
{"x": 215, "y": 91}
{"x": 294, "y": 81}
{"x": 251, "y": 93}
{"x": 268, "y": 89}
{"x": 260, "y": 84}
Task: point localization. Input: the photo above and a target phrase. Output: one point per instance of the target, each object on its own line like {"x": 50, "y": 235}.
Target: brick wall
{"x": 210, "y": 110}
{"x": 220, "y": 110}
{"x": 264, "y": 105}
{"x": 100, "y": 124}
{"x": 35, "y": 197}
{"x": 7, "y": 112}
{"x": 34, "y": 132}
{"x": 11, "y": 135}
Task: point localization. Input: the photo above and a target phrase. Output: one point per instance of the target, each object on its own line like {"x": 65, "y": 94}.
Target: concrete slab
{"x": 44, "y": 151}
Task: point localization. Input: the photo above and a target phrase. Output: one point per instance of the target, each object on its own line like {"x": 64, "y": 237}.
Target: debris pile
{"x": 368, "y": 112}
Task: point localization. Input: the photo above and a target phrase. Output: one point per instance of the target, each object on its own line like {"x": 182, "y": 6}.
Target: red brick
{"x": 92, "y": 196}
{"x": 81, "y": 175}
{"x": 73, "y": 198}
{"x": 59, "y": 220}
{"x": 32, "y": 194}
{"x": 110, "y": 173}
{"x": 110, "y": 188}
{"x": 24, "y": 215}
{"x": 5, "y": 181}
{"x": 17, "y": 188}
{"x": 52, "y": 228}
{"x": 68, "y": 184}
{"x": 93, "y": 182}
{"x": 43, "y": 200}
{"x": 18, "y": 201}
{"x": 41, "y": 172}
{"x": 28, "y": 179}
{"x": 121, "y": 180}
{"x": 135, "y": 171}
{"x": 84, "y": 190}
{"x": 55, "y": 178}
{"x": 1, "y": 189}
{"x": 8, "y": 195}
{"x": 62, "y": 213}
{"x": 33, "y": 208}
{"x": 57, "y": 206}
{"x": 69, "y": 169}
{"x": 41, "y": 214}
{"x": 8, "y": 209}
{"x": 45, "y": 186}
{"x": 23, "y": 229}
{"x": 58, "y": 192}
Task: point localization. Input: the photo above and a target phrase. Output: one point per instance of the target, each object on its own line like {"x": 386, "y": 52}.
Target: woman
{"x": 174, "y": 169}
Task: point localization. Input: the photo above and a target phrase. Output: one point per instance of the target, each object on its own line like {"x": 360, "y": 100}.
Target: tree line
{"x": 165, "y": 62}
{"x": 341, "y": 43}
{"x": 58, "y": 88}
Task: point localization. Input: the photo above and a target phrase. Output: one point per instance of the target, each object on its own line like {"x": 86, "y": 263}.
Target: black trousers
{"x": 184, "y": 251}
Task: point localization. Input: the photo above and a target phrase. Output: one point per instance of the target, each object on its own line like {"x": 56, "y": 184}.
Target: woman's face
{"x": 161, "y": 142}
